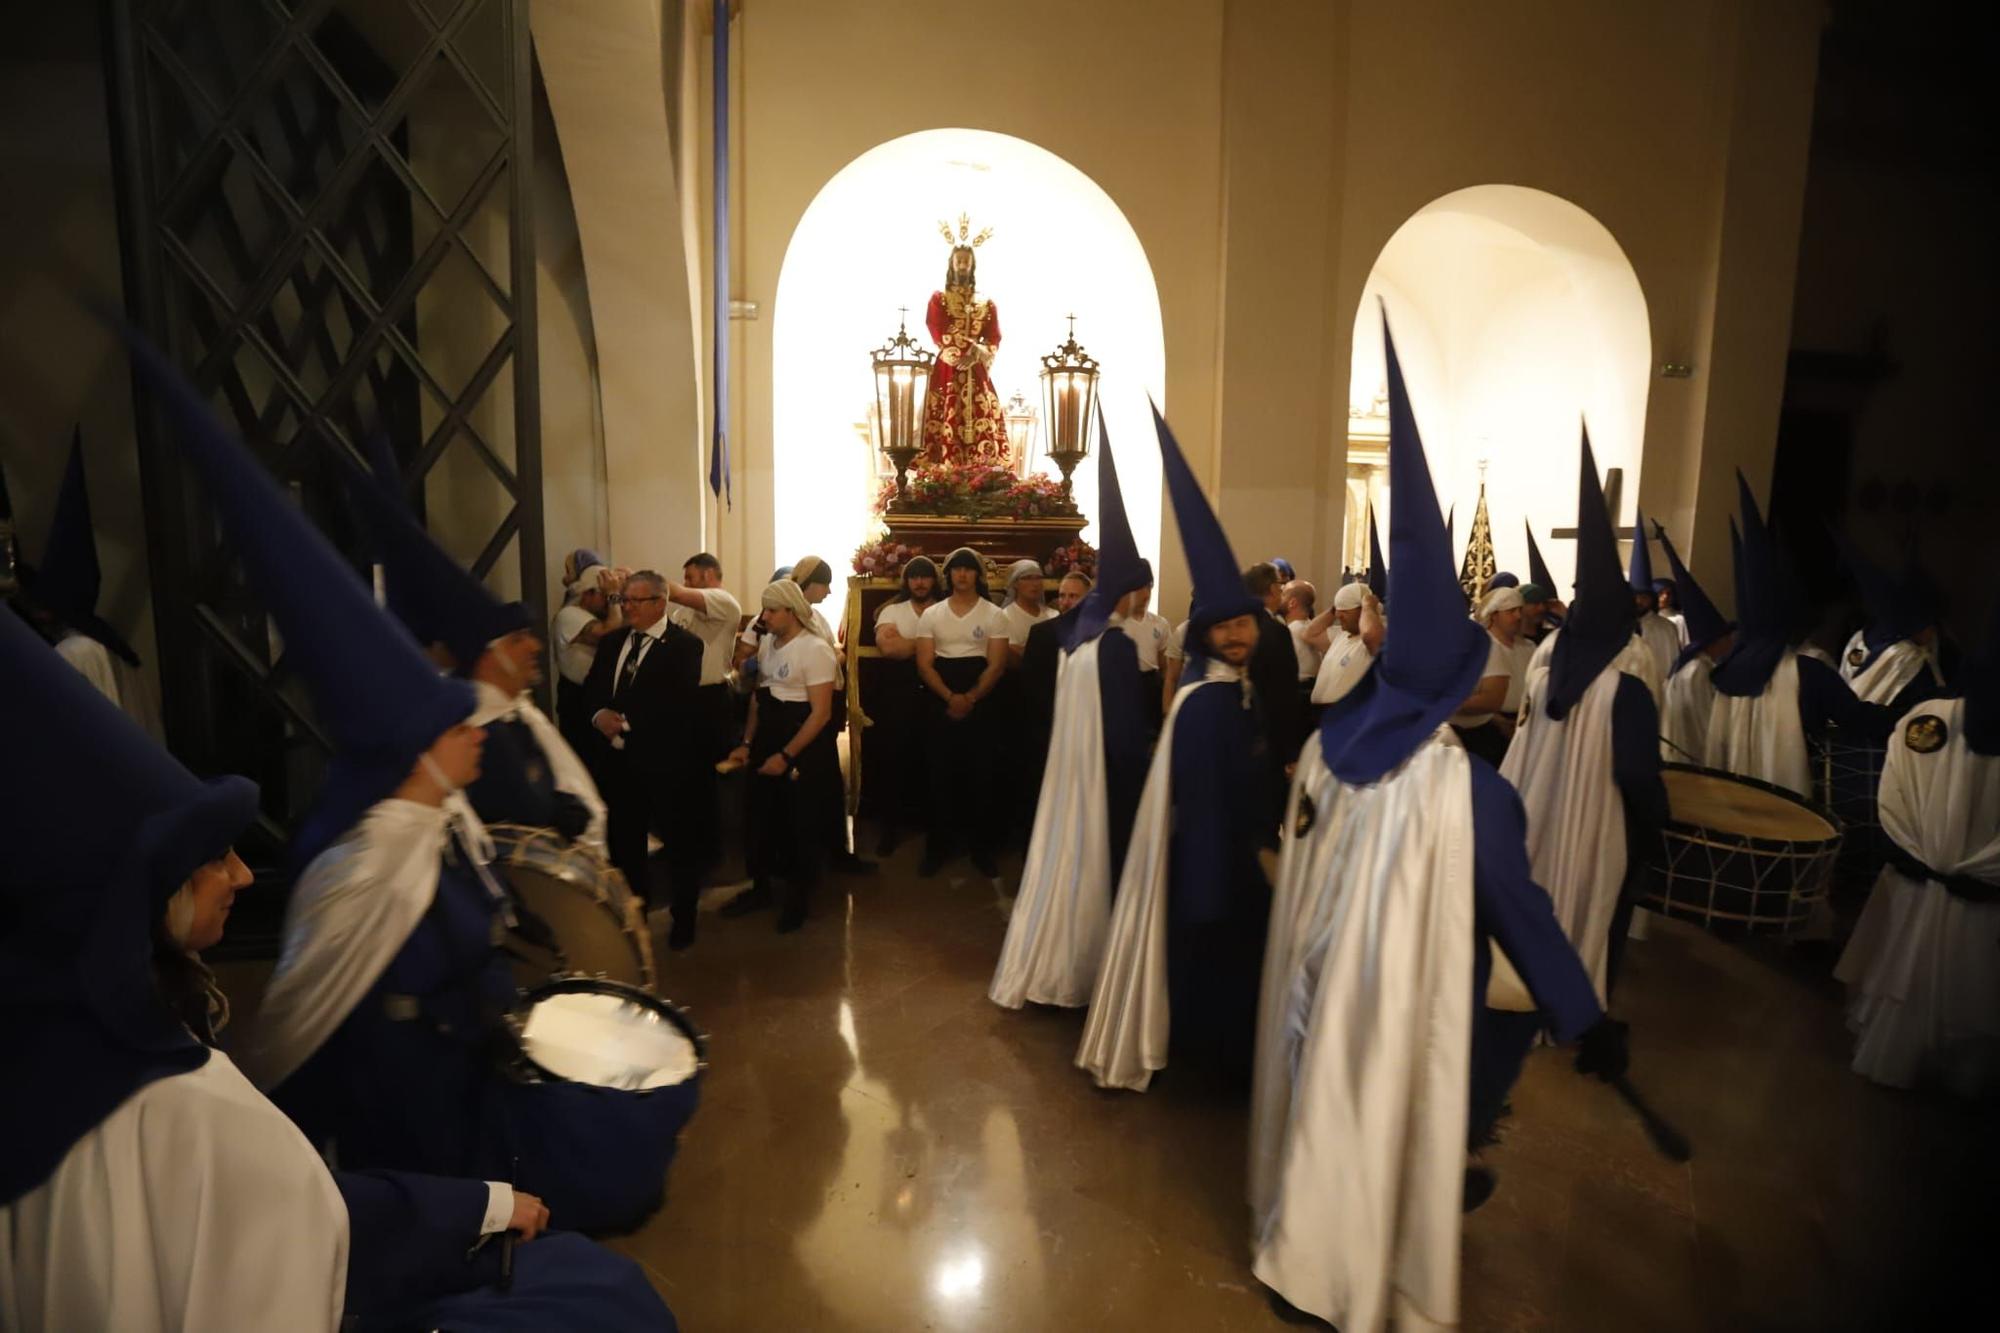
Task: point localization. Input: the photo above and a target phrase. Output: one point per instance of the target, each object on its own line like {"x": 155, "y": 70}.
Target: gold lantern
{"x": 1069, "y": 403}
{"x": 902, "y": 377}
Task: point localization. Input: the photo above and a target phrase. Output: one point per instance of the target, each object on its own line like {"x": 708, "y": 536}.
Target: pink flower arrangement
{"x": 1079, "y": 555}
{"x": 977, "y": 489}
{"x": 883, "y": 559}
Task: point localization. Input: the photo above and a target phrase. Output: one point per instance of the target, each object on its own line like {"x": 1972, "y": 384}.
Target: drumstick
{"x": 1693, "y": 757}
{"x": 1673, "y": 1144}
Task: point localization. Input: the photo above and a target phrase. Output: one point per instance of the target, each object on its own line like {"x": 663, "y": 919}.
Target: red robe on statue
{"x": 963, "y": 418}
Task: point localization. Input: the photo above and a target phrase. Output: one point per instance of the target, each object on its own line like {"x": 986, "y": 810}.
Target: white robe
{"x": 1684, "y": 718}
{"x": 1663, "y": 645}
{"x": 1125, "y": 1033}
{"x": 564, "y": 767}
{"x": 1576, "y": 817}
{"x": 91, "y": 660}
{"x": 1359, "y": 1109}
{"x": 1759, "y": 736}
{"x": 1062, "y": 914}
{"x": 194, "y": 1205}
{"x": 348, "y": 917}
{"x": 1891, "y": 671}
{"x": 1921, "y": 971}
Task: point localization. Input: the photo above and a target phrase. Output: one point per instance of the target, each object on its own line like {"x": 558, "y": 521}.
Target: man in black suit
{"x": 1274, "y": 678}
{"x": 1039, "y": 659}
{"x": 641, "y": 697}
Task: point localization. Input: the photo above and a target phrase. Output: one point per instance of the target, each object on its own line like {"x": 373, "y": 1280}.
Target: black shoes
{"x": 984, "y": 863}
{"x": 1480, "y": 1182}
{"x": 682, "y": 934}
{"x": 930, "y": 865}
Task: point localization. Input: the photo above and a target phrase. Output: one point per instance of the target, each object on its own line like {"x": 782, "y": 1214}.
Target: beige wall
{"x": 1265, "y": 152}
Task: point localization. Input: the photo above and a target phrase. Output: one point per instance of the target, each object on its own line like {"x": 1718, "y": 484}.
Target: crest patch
{"x": 1926, "y": 734}
{"x": 1857, "y": 656}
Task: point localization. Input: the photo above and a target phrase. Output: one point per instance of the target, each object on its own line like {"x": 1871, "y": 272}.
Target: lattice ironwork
{"x": 326, "y": 220}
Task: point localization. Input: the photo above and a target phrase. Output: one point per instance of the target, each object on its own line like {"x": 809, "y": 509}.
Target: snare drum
{"x": 1739, "y": 854}
{"x": 606, "y": 1034}
{"x": 594, "y": 926}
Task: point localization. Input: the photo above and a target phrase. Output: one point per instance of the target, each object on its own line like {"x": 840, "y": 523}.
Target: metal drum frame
{"x": 1744, "y": 871}
{"x": 626, "y": 914}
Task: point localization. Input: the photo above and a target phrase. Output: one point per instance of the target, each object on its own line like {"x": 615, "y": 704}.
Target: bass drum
{"x": 1847, "y": 775}
{"x": 1738, "y": 855}
{"x": 577, "y": 917}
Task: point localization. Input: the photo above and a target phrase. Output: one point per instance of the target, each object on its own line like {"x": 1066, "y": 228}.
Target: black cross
{"x": 1614, "y": 485}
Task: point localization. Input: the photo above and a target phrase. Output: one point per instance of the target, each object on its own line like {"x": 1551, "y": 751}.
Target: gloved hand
{"x": 1604, "y": 1051}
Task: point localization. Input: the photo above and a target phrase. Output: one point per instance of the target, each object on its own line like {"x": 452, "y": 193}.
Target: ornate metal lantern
{"x": 902, "y": 377}
{"x": 1069, "y": 398}
{"x": 1020, "y": 433}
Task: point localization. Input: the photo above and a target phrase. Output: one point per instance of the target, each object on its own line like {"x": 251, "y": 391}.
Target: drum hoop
{"x": 1705, "y": 834}
{"x": 571, "y": 983}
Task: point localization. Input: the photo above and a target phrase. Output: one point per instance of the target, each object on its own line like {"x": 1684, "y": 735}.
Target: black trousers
{"x": 892, "y": 770}
{"x": 960, "y": 766}
{"x": 1485, "y": 740}
{"x": 637, "y": 803}
{"x": 785, "y": 836}
{"x": 715, "y": 734}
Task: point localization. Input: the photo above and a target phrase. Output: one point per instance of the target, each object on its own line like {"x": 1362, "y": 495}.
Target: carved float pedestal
{"x": 1001, "y": 540}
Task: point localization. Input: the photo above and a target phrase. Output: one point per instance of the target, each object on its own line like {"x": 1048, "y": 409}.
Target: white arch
{"x": 1515, "y": 314}
{"x": 869, "y": 243}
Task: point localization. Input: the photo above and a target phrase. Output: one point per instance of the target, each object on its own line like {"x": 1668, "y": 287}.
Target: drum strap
{"x": 1959, "y": 886}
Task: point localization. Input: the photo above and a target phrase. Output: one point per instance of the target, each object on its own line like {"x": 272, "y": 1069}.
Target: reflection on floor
{"x": 880, "y": 1147}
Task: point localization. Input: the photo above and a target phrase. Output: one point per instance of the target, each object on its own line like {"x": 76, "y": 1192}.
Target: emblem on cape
{"x": 1308, "y": 812}
{"x": 1856, "y": 656}
{"x": 1926, "y": 734}
{"x": 535, "y": 771}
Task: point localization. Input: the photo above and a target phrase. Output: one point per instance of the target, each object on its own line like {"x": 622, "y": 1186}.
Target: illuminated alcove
{"x": 1516, "y": 316}
{"x": 869, "y": 243}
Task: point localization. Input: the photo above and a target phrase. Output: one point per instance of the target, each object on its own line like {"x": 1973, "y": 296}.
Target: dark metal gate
{"x": 326, "y": 220}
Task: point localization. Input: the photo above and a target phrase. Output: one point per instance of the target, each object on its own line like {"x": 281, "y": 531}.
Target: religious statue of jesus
{"x": 963, "y": 418}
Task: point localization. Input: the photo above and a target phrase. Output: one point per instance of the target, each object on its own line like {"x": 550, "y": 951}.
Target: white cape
{"x": 1684, "y": 718}
{"x": 1055, "y": 936}
{"x": 1576, "y": 818}
{"x": 1125, "y": 1033}
{"x": 564, "y": 766}
{"x": 194, "y": 1205}
{"x": 1923, "y": 984}
{"x": 349, "y": 914}
{"x": 1759, "y": 736}
{"x": 1358, "y": 1119}
{"x": 1893, "y": 669}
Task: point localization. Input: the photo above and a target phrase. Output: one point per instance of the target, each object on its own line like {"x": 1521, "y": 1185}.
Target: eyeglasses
{"x": 629, "y": 599}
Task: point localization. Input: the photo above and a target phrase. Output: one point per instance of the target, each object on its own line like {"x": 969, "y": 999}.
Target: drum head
{"x": 607, "y": 1036}
{"x": 1708, "y": 799}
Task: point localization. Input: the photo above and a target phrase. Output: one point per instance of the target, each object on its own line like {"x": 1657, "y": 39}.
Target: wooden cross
{"x": 1614, "y": 485}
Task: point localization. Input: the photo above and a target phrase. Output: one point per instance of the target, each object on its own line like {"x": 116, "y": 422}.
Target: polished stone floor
{"x": 880, "y": 1147}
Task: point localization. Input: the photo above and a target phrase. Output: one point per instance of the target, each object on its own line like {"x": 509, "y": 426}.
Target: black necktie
{"x": 631, "y": 667}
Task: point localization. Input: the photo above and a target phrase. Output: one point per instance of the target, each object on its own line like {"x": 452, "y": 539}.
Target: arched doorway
{"x": 1515, "y": 313}
{"x": 869, "y": 243}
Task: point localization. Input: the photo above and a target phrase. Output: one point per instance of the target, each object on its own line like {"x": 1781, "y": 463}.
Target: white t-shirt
{"x": 1177, "y": 643}
{"x": 573, "y": 656}
{"x": 1019, "y": 622}
{"x": 1346, "y": 661}
{"x": 1308, "y": 655}
{"x": 1499, "y": 662}
{"x": 1150, "y": 634}
{"x": 715, "y": 625}
{"x": 92, "y": 661}
{"x": 900, "y": 616}
{"x": 787, "y": 669}
{"x": 962, "y": 636}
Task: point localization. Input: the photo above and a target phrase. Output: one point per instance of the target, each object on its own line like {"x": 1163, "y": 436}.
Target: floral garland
{"x": 976, "y": 489}
{"x": 1079, "y": 556}
{"x": 883, "y": 559}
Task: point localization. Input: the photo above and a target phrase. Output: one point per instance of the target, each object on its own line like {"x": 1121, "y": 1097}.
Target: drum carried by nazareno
{"x": 1738, "y": 855}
